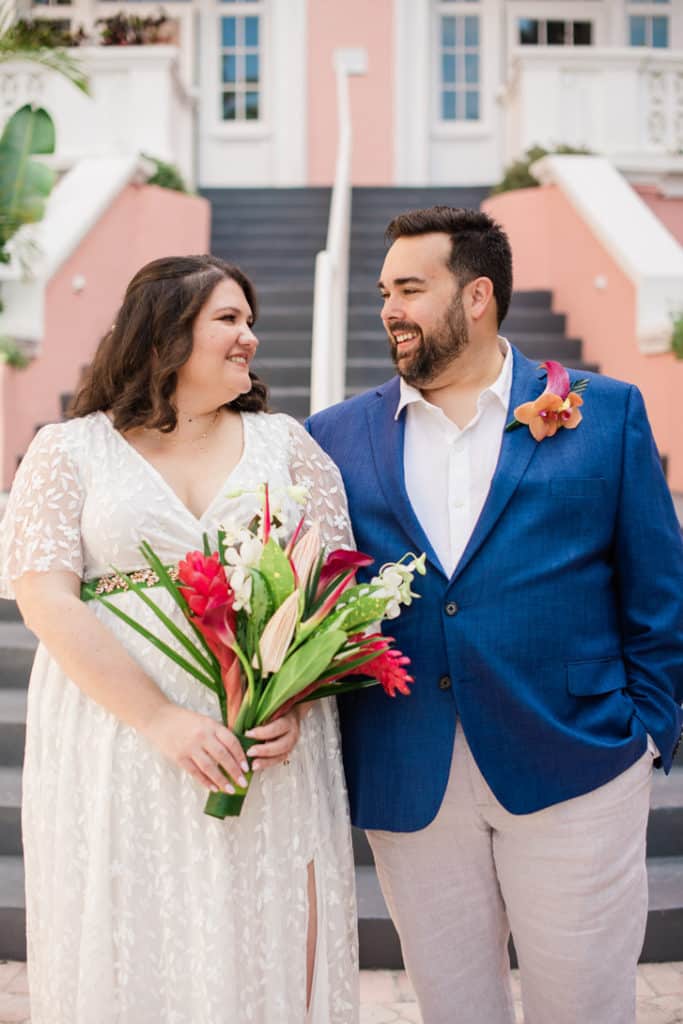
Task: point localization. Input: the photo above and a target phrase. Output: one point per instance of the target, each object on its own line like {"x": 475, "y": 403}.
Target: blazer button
{"x": 452, "y": 608}
{"x": 445, "y": 683}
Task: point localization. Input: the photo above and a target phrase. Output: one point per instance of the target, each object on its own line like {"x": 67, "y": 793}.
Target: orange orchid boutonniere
{"x": 557, "y": 407}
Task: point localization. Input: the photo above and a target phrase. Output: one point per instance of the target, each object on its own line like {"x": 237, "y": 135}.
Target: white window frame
{"x": 547, "y": 10}
{"x": 462, "y": 128}
{"x": 543, "y": 26}
{"x": 242, "y": 129}
{"x": 648, "y": 10}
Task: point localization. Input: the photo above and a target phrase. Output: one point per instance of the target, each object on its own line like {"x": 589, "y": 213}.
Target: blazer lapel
{"x": 517, "y": 448}
{"x": 387, "y": 436}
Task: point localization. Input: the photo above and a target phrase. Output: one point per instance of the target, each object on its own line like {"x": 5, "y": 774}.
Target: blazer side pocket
{"x": 592, "y": 678}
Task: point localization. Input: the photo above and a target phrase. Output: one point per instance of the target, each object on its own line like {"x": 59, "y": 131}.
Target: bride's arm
{"x": 92, "y": 657}
{"x": 41, "y": 564}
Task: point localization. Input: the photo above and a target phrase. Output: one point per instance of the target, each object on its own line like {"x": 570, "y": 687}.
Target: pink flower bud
{"x": 305, "y": 554}
{"x": 277, "y": 635}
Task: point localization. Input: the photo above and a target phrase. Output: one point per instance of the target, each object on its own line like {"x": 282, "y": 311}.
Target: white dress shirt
{"x": 448, "y": 471}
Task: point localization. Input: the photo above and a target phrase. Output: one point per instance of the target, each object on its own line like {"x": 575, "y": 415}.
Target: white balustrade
{"x": 624, "y": 104}
{"x": 138, "y": 103}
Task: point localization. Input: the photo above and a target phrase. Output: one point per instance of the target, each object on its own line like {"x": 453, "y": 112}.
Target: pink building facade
{"x": 454, "y": 89}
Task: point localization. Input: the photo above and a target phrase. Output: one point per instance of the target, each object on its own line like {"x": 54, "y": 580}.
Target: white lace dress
{"x": 141, "y": 909}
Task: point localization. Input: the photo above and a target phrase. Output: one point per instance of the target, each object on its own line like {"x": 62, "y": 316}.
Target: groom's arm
{"x": 648, "y": 559}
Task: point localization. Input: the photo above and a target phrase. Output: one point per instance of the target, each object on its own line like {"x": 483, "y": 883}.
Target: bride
{"x": 140, "y": 908}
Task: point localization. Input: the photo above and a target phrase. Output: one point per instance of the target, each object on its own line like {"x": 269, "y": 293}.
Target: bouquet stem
{"x": 229, "y": 805}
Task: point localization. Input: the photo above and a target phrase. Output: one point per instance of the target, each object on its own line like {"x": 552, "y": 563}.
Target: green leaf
{"x": 171, "y": 587}
{"x": 579, "y": 386}
{"x": 358, "y": 614}
{"x": 299, "y": 670}
{"x": 159, "y": 644}
{"x": 24, "y": 184}
{"x": 262, "y": 607}
{"x": 171, "y": 626}
{"x": 275, "y": 567}
{"x": 343, "y": 686}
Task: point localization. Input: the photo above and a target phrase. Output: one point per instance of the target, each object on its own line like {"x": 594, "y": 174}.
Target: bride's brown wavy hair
{"x": 134, "y": 372}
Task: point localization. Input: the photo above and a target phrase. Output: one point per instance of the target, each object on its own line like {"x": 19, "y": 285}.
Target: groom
{"x": 510, "y": 791}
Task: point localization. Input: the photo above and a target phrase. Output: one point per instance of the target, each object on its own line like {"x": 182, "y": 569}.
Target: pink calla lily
{"x": 557, "y": 406}
{"x": 342, "y": 561}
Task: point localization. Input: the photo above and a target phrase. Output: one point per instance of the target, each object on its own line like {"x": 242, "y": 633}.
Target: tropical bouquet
{"x": 275, "y": 621}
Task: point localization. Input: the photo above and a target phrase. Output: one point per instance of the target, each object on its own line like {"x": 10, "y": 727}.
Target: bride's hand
{"x": 200, "y": 745}
{"x": 276, "y": 741}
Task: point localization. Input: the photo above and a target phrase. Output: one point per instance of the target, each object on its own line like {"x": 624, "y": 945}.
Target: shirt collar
{"x": 500, "y": 389}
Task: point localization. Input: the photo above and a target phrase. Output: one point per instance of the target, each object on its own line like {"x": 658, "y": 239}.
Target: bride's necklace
{"x": 199, "y": 440}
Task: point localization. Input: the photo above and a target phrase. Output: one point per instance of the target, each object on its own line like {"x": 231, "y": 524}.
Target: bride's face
{"x": 223, "y": 346}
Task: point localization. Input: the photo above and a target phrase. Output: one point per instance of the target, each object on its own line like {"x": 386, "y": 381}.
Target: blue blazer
{"x": 557, "y": 641}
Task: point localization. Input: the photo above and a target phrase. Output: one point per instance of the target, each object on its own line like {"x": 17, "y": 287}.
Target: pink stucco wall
{"x": 669, "y": 209}
{"x": 143, "y": 223}
{"x": 554, "y": 249}
{"x": 331, "y": 26}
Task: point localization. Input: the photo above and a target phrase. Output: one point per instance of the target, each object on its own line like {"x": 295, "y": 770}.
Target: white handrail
{"x": 330, "y": 300}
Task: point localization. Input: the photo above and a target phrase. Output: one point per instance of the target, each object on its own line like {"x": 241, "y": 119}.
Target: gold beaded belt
{"x": 119, "y": 583}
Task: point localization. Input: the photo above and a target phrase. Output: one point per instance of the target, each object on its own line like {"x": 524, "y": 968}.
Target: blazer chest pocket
{"x": 577, "y": 487}
{"x": 592, "y": 678}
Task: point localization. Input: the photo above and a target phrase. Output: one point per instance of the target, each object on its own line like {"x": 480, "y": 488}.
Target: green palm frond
{"x": 14, "y": 47}
{"x": 54, "y": 60}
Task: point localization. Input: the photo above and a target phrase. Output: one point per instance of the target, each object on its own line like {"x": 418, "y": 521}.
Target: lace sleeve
{"x": 41, "y": 527}
{"x": 313, "y": 469}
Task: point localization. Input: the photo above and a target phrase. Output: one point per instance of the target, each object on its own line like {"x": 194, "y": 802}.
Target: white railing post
{"x": 330, "y": 301}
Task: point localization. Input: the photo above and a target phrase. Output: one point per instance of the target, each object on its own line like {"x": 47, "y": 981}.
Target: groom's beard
{"x": 435, "y": 351}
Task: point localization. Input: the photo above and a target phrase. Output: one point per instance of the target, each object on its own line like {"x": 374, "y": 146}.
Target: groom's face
{"x": 422, "y": 308}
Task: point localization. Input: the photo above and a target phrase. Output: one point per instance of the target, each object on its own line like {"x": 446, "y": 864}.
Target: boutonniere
{"x": 557, "y": 407}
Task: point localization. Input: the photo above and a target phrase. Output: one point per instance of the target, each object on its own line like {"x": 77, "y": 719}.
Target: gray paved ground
{"x": 387, "y": 997}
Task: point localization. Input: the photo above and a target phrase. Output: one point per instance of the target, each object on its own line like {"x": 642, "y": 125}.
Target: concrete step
{"x": 10, "y": 811}
{"x": 9, "y": 611}
{"x": 17, "y": 649}
{"x": 12, "y": 726}
{"x": 12, "y": 909}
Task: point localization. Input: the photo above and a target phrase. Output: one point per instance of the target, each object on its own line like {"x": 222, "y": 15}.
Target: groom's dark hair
{"x": 479, "y": 246}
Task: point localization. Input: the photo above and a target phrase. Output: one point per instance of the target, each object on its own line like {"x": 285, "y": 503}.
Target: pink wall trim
{"x": 554, "y": 249}
{"x": 669, "y": 209}
{"x": 144, "y": 222}
{"x": 332, "y": 26}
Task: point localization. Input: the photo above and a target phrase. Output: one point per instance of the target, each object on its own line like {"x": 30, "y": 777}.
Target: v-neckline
{"x": 152, "y": 469}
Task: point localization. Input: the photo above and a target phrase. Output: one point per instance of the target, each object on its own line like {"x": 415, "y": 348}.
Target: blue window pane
{"x": 660, "y": 32}
{"x": 472, "y": 68}
{"x": 636, "y": 30}
{"x": 229, "y": 69}
{"x": 229, "y": 106}
{"x": 471, "y": 31}
{"x": 251, "y": 27}
{"x": 448, "y": 68}
{"x": 528, "y": 31}
{"x": 252, "y": 106}
{"x": 228, "y": 31}
{"x": 252, "y": 67}
{"x": 448, "y": 31}
{"x": 448, "y": 106}
{"x": 472, "y": 106}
